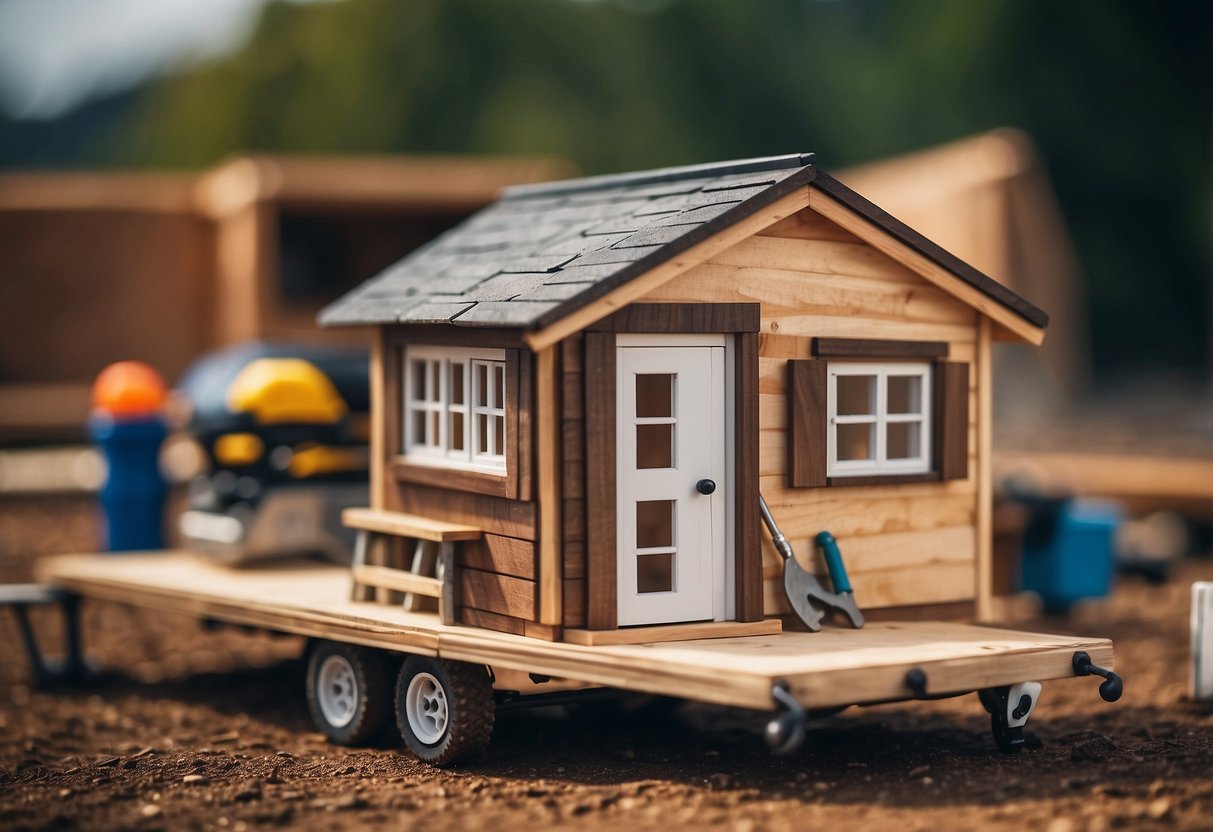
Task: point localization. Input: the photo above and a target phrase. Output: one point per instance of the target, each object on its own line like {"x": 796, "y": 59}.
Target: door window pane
{"x": 455, "y": 439}
{"x": 856, "y": 395}
{"x": 905, "y": 394}
{"x": 856, "y": 442}
{"x": 654, "y": 446}
{"x": 654, "y": 395}
{"x": 457, "y": 384}
{"x": 654, "y": 524}
{"x": 655, "y": 573}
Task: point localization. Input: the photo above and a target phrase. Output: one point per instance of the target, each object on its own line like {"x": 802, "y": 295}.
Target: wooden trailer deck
{"x": 834, "y": 667}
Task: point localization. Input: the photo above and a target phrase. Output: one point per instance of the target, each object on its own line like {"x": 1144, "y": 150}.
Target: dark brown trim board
{"x": 683, "y": 317}
{"x": 444, "y": 335}
{"x": 807, "y": 391}
{"x": 951, "y": 420}
{"x": 883, "y": 479}
{"x": 878, "y": 348}
{"x": 601, "y": 547}
{"x": 747, "y": 535}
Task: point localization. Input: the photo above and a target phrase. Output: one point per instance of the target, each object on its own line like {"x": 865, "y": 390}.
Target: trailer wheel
{"x": 349, "y": 692}
{"x": 444, "y": 710}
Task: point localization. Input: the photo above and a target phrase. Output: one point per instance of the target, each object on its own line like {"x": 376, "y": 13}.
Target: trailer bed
{"x": 831, "y": 668}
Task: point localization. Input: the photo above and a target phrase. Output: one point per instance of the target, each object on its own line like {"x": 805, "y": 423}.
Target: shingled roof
{"x": 544, "y": 251}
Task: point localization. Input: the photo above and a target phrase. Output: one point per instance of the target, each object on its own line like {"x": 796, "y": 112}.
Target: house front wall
{"x": 914, "y": 544}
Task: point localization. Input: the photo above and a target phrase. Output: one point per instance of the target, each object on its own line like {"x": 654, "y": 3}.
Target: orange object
{"x": 129, "y": 388}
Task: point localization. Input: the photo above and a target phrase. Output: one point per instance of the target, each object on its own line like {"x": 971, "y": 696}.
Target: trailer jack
{"x": 785, "y": 731}
{"x": 46, "y": 673}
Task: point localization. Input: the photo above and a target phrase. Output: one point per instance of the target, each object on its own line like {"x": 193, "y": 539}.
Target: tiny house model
{"x": 604, "y": 374}
{"x": 585, "y": 401}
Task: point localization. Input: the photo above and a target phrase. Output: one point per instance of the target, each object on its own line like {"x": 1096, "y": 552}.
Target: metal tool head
{"x": 802, "y": 587}
{"x": 844, "y": 602}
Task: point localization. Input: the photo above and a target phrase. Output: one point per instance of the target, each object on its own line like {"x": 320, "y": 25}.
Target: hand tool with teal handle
{"x": 806, "y": 595}
{"x": 843, "y": 598}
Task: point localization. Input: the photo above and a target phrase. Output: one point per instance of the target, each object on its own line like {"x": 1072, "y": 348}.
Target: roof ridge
{"x": 659, "y": 175}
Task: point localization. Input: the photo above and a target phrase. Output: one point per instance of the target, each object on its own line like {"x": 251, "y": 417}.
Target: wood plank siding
{"x": 910, "y": 543}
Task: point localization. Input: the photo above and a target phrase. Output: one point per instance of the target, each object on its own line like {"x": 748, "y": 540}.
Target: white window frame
{"x": 438, "y": 451}
{"x": 881, "y": 418}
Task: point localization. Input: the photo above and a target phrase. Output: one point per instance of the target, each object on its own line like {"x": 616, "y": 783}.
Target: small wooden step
{"x": 407, "y": 525}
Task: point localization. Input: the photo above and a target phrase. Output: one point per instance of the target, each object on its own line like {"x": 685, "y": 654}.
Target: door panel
{"x": 670, "y": 428}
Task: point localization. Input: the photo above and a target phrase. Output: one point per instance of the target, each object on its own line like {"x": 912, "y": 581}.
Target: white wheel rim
{"x": 337, "y": 691}
{"x": 426, "y": 707}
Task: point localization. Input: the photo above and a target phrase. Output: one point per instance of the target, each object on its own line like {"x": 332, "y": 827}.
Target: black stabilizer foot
{"x": 916, "y": 681}
{"x": 785, "y": 731}
{"x": 1111, "y": 689}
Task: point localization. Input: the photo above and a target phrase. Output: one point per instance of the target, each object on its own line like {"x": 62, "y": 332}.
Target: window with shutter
{"x": 866, "y": 412}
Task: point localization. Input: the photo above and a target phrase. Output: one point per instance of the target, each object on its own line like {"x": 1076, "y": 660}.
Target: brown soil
{"x": 194, "y": 729}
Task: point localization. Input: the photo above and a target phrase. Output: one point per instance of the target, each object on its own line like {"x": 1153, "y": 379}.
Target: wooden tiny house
{"x": 602, "y": 375}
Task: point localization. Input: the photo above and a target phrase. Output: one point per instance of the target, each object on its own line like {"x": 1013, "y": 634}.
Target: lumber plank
{"x": 385, "y": 577}
{"x": 400, "y": 524}
{"x": 675, "y": 632}
{"x": 501, "y": 594}
{"x": 500, "y": 554}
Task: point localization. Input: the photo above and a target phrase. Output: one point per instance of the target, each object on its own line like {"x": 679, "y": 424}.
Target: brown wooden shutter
{"x": 806, "y": 423}
{"x": 952, "y": 420}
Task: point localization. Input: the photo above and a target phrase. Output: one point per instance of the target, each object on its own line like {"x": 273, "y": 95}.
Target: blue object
{"x": 838, "y": 572}
{"x": 1068, "y": 551}
{"x": 134, "y": 491}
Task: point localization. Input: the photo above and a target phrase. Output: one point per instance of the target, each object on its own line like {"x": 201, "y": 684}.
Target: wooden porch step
{"x": 407, "y": 525}
{"x": 675, "y": 632}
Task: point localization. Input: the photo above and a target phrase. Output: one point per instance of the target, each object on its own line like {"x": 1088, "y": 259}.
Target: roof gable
{"x": 544, "y": 252}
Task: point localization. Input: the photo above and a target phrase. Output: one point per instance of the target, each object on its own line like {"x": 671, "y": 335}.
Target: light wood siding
{"x": 903, "y": 544}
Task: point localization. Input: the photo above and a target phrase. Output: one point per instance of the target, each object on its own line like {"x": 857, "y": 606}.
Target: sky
{"x": 55, "y": 54}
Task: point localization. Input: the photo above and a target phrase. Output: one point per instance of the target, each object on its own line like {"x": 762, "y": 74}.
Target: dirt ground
{"x": 189, "y": 729}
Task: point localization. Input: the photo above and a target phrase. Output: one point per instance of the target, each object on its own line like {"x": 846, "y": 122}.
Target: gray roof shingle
{"x": 544, "y": 251}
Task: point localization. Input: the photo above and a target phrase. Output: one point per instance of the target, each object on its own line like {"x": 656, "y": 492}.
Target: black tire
{"x": 360, "y": 675}
{"x": 464, "y": 692}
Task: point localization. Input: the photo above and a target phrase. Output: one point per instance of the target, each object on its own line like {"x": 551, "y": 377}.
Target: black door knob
{"x": 705, "y": 486}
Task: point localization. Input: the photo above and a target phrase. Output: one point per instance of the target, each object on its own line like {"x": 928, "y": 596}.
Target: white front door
{"x": 671, "y": 479}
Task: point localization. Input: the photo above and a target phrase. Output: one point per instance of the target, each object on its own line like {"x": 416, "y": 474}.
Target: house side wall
{"x": 498, "y": 587}
{"x": 904, "y": 545}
